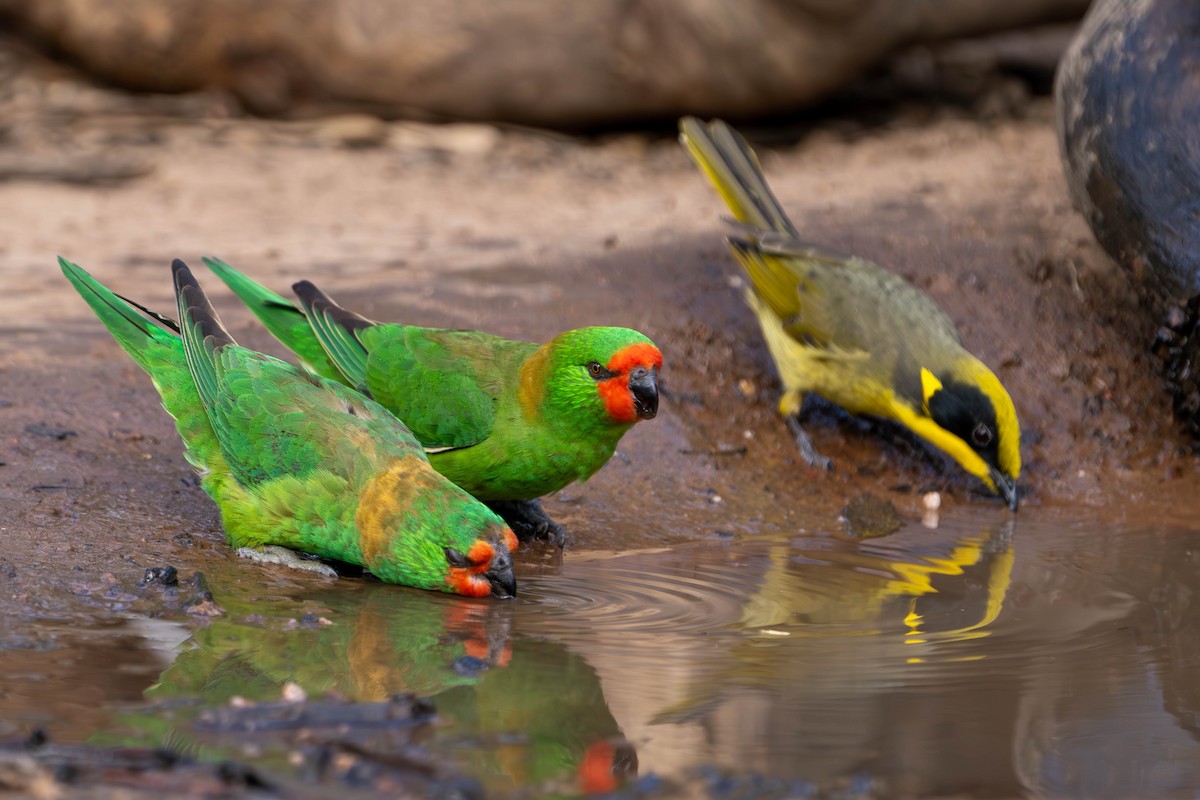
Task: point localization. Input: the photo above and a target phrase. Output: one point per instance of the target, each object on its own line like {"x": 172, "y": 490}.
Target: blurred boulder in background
{"x": 1128, "y": 100}
{"x": 538, "y": 62}
{"x": 1128, "y": 104}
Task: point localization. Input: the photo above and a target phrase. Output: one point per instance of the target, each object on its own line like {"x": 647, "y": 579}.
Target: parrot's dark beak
{"x": 500, "y": 576}
{"x": 1006, "y": 487}
{"x": 643, "y": 385}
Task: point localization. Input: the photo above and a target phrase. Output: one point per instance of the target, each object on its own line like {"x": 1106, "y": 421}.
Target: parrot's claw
{"x": 528, "y": 521}
{"x": 808, "y": 450}
{"x": 274, "y": 554}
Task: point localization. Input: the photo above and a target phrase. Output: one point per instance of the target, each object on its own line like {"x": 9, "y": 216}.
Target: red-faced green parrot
{"x": 299, "y": 462}
{"x": 508, "y": 421}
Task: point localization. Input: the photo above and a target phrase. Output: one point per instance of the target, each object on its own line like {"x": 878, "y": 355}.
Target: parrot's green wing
{"x": 447, "y": 383}
{"x": 280, "y": 316}
{"x": 443, "y": 384}
{"x": 274, "y": 419}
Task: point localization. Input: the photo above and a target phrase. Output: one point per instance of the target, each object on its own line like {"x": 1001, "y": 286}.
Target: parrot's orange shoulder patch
{"x": 531, "y": 390}
{"x": 383, "y": 499}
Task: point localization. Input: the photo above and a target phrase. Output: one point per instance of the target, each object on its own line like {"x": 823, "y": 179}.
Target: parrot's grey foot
{"x": 528, "y": 521}
{"x": 274, "y": 554}
{"x": 808, "y": 450}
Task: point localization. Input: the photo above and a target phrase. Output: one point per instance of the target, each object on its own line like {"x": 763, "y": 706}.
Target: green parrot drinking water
{"x": 509, "y": 421}
{"x": 299, "y": 462}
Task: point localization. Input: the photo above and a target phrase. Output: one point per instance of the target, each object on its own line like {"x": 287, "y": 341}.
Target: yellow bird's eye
{"x": 982, "y": 435}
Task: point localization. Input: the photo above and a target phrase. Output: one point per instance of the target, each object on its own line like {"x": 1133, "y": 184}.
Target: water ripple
{"x": 677, "y": 591}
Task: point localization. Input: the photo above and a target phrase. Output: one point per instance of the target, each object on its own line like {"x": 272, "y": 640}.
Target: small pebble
{"x": 353, "y": 131}
{"x": 160, "y": 576}
{"x": 932, "y": 501}
{"x": 294, "y": 693}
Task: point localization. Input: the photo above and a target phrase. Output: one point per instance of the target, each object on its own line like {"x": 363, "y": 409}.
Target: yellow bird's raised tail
{"x": 726, "y": 158}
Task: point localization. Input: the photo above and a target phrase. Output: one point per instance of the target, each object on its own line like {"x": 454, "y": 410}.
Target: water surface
{"x": 990, "y": 657}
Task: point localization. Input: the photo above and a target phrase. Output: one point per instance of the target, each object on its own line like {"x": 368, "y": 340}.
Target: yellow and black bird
{"x": 855, "y": 333}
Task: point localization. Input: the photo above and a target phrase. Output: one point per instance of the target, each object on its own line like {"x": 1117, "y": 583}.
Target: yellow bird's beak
{"x": 1006, "y": 487}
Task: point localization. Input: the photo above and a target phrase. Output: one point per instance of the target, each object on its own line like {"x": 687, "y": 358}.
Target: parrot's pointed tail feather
{"x": 133, "y": 326}
{"x": 271, "y": 308}
{"x": 280, "y": 316}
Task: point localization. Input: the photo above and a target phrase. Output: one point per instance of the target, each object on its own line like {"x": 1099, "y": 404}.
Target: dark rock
{"x": 160, "y": 576}
{"x": 1128, "y": 99}
{"x": 201, "y": 602}
{"x": 1178, "y": 345}
{"x": 868, "y": 516}
{"x": 1129, "y": 126}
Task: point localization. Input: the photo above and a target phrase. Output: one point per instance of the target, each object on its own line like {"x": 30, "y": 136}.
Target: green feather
{"x": 445, "y": 384}
{"x": 336, "y": 331}
{"x": 280, "y": 316}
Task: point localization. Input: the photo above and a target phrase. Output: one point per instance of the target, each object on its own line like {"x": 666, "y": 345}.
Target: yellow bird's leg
{"x": 789, "y": 407}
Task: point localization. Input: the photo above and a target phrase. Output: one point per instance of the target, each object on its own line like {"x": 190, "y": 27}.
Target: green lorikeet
{"x": 508, "y": 421}
{"x": 299, "y": 462}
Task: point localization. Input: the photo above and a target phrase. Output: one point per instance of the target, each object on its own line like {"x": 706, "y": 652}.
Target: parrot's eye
{"x": 456, "y": 558}
{"x": 597, "y": 370}
{"x": 982, "y": 435}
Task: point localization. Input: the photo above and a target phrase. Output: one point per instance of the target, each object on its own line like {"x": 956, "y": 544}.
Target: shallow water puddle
{"x": 990, "y": 657}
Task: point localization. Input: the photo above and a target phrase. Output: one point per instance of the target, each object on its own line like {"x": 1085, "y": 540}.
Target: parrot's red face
{"x": 628, "y": 383}
{"x": 484, "y": 570}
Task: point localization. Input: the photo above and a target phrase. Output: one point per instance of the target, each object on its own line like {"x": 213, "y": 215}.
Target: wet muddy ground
{"x": 709, "y": 630}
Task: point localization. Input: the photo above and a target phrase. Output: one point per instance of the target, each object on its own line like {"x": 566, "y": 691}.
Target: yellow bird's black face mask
{"x": 964, "y": 411}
